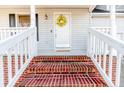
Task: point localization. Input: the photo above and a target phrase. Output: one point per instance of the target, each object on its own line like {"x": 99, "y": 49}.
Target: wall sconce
{"x": 46, "y": 17}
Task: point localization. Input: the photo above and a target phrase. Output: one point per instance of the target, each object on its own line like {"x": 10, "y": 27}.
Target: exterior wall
{"x": 4, "y": 15}
{"x": 79, "y": 27}
{"x": 104, "y": 21}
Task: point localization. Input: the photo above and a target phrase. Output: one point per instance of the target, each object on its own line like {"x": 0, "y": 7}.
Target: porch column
{"x": 113, "y": 20}
{"x": 32, "y": 16}
{"x": 33, "y": 25}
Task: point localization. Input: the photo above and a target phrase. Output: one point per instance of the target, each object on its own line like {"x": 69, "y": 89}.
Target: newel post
{"x": 113, "y": 20}
{"x": 33, "y": 25}
{"x": 32, "y": 18}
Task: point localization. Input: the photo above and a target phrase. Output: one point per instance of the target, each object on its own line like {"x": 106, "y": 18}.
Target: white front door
{"x": 62, "y": 30}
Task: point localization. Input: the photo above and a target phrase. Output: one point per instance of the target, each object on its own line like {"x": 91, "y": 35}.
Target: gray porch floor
{"x": 63, "y": 52}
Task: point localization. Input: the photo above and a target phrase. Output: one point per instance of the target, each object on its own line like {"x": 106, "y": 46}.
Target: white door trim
{"x": 68, "y": 13}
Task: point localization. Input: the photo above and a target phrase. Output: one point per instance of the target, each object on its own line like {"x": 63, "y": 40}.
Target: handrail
{"x": 114, "y": 42}
{"x": 6, "y": 32}
{"x": 15, "y": 54}
{"x": 106, "y": 53}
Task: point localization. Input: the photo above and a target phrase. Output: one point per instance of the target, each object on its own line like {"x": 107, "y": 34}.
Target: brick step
{"x": 61, "y": 71}
{"x": 61, "y": 68}
{"x": 61, "y": 80}
{"x": 61, "y": 59}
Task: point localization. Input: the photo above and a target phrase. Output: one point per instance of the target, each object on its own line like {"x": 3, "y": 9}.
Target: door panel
{"x": 62, "y": 33}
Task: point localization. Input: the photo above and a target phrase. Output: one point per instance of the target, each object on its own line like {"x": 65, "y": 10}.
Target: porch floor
{"x": 61, "y": 53}
{"x": 61, "y": 71}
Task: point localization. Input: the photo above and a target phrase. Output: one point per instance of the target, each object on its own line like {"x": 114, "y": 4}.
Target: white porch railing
{"x": 107, "y": 30}
{"x": 15, "y": 54}
{"x": 6, "y": 32}
{"x": 102, "y": 29}
{"x": 109, "y": 65}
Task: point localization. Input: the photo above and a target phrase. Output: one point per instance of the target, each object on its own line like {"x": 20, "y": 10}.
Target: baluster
{"x": 100, "y": 42}
{"x": 98, "y": 50}
{"x": 16, "y": 58}
{"x": 118, "y": 69}
{"x": 26, "y": 50}
{"x": 93, "y": 45}
{"x": 29, "y": 47}
{"x": 1, "y": 71}
{"x": 21, "y": 53}
{"x": 96, "y": 46}
{"x": 9, "y": 67}
{"x": 104, "y": 57}
{"x": 110, "y": 63}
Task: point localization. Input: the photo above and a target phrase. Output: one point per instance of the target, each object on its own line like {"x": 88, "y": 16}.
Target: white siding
{"x": 105, "y": 21}
{"x": 79, "y": 29}
{"x": 4, "y": 15}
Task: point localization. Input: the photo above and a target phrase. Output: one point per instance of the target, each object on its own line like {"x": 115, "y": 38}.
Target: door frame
{"x": 54, "y": 25}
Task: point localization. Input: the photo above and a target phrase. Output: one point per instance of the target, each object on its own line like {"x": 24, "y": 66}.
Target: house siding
{"x": 104, "y": 21}
{"x": 79, "y": 27}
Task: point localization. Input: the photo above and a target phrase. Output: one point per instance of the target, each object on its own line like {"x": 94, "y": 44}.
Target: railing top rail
{"x": 111, "y": 41}
{"x": 11, "y": 41}
{"x": 11, "y": 28}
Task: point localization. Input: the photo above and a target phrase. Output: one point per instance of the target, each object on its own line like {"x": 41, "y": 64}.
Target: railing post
{"x": 32, "y": 18}
{"x": 1, "y": 72}
{"x": 118, "y": 69}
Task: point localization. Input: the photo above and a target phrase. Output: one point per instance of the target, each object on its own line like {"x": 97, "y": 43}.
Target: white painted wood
{"x": 21, "y": 53}
{"x": 1, "y": 72}
{"x": 79, "y": 37}
{"x": 113, "y": 43}
{"x": 113, "y": 20}
{"x": 96, "y": 47}
{"x": 104, "y": 57}
{"x": 15, "y": 45}
{"x": 16, "y": 63}
{"x": 32, "y": 20}
{"x": 18, "y": 74}
{"x": 6, "y": 32}
{"x": 118, "y": 69}
{"x": 100, "y": 52}
{"x": 62, "y": 34}
{"x": 9, "y": 67}
{"x": 110, "y": 64}
{"x": 103, "y": 74}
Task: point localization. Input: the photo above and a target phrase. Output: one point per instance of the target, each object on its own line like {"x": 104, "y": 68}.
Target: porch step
{"x": 61, "y": 71}
{"x": 62, "y": 59}
{"x": 59, "y": 68}
{"x": 61, "y": 80}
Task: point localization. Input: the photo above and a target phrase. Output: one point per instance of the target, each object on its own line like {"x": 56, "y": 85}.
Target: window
{"x": 12, "y": 22}
{"x": 24, "y": 21}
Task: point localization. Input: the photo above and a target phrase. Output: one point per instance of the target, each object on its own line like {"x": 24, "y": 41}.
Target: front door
{"x": 62, "y": 30}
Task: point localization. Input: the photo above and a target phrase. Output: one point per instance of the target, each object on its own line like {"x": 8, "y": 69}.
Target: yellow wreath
{"x": 61, "y": 21}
